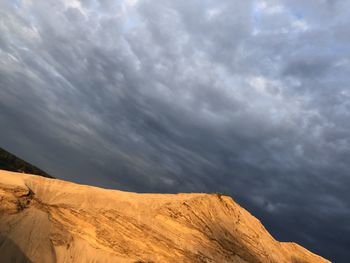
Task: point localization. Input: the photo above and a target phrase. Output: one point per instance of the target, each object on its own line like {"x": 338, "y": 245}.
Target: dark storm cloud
{"x": 249, "y": 98}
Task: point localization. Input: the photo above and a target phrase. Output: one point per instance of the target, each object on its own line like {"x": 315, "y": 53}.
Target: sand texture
{"x": 46, "y": 220}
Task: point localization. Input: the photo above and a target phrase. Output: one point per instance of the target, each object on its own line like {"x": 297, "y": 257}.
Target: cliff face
{"x": 48, "y": 220}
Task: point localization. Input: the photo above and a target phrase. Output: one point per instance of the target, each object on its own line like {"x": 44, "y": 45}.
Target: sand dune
{"x": 46, "y": 220}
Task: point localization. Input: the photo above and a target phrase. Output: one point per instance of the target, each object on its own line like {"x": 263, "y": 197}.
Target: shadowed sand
{"x": 48, "y": 220}
{"x": 16, "y": 255}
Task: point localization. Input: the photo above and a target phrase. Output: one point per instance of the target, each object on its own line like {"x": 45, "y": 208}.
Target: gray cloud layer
{"x": 250, "y": 98}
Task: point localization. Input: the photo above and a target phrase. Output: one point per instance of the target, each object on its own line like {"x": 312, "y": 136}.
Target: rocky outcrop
{"x": 48, "y": 220}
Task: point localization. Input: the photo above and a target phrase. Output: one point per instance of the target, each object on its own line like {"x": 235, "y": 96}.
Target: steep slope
{"x": 11, "y": 162}
{"x": 48, "y": 220}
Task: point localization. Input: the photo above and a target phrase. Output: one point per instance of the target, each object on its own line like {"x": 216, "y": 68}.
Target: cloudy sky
{"x": 248, "y": 98}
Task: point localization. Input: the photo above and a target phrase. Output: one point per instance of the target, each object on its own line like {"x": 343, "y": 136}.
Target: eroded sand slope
{"x": 47, "y": 220}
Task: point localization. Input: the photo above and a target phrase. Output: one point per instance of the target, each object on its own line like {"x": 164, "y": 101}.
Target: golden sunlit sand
{"x": 47, "y": 220}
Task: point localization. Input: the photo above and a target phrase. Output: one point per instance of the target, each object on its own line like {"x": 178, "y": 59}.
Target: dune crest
{"x": 48, "y": 220}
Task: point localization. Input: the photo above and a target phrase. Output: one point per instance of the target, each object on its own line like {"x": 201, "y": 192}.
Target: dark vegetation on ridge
{"x": 12, "y": 163}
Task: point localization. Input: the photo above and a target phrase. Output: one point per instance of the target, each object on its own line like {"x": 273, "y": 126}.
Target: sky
{"x": 248, "y": 98}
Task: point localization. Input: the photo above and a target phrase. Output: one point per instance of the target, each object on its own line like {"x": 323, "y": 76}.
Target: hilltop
{"x": 11, "y": 162}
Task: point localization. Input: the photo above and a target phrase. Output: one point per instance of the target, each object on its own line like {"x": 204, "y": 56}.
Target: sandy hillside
{"x": 47, "y": 220}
